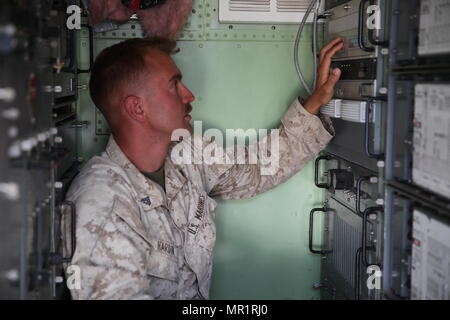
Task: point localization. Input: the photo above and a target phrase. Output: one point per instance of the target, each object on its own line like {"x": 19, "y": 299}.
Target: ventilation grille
{"x": 249, "y": 5}
{"x": 346, "y": 241}
{"x": 292, "y": 5}
{"x": 263, "y": 11}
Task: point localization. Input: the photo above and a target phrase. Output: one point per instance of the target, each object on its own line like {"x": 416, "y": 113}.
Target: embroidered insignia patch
{"x": 146, "y": 201}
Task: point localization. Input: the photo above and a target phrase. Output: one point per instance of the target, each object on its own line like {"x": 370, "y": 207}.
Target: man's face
{"x": 167, "y": 102}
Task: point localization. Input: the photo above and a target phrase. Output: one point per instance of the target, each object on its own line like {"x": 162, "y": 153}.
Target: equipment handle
{"x": 316, "y": 172}
{"x": 311, "y": 226}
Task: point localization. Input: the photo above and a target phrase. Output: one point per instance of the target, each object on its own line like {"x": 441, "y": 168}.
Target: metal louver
{"x": 263, "y": 11}
{"x": 249, "y": 5}
{"x": 292, "y": 5}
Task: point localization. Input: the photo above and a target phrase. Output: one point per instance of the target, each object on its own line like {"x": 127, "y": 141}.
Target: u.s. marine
{"x": 145, "y": 224}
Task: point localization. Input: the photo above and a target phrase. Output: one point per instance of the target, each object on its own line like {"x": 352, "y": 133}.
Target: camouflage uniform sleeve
{"x": 110, "y": 255}
{"x": 301, "y": 137}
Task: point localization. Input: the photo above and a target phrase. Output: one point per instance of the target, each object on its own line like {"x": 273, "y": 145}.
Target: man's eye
{"x": 177, "y": 84}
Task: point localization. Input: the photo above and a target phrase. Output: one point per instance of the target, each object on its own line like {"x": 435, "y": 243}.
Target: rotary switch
{"x": 341, "y": 179}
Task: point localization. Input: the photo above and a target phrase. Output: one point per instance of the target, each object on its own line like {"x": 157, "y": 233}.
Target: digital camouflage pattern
{"x": 135, "y": 241}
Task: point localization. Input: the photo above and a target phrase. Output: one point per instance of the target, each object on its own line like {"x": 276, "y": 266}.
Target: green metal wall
{"x": 243, "y": 77}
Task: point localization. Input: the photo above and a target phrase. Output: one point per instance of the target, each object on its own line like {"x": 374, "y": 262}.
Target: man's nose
{"x": 188, "y": 96}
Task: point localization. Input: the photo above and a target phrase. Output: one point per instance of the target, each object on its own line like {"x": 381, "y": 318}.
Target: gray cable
{"x": 296, "y": 44}
{"x": 314, "y": 49}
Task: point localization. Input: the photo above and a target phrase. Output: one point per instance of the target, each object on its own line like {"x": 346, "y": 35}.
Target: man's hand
{"x": 325, "y": 80}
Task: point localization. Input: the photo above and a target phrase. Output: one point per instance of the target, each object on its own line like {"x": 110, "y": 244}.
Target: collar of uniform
{"x": 148, "y": 193}
{"x": 174, "y": 176}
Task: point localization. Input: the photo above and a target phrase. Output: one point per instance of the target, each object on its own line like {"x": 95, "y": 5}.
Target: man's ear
{"x": 133, "y": 108}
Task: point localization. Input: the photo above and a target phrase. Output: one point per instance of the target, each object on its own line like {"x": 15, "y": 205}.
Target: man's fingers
{"x": 324, "y": 67}
{"x": 327, "y": 47}
{"x": 330, "y": 53}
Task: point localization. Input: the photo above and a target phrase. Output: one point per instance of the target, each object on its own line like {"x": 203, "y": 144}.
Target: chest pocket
{"x": 162, "y": 261}
{"x": 161, "y": 255}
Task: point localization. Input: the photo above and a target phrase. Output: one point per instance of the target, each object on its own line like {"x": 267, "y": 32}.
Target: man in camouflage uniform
{"x": 137, "y": 239}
